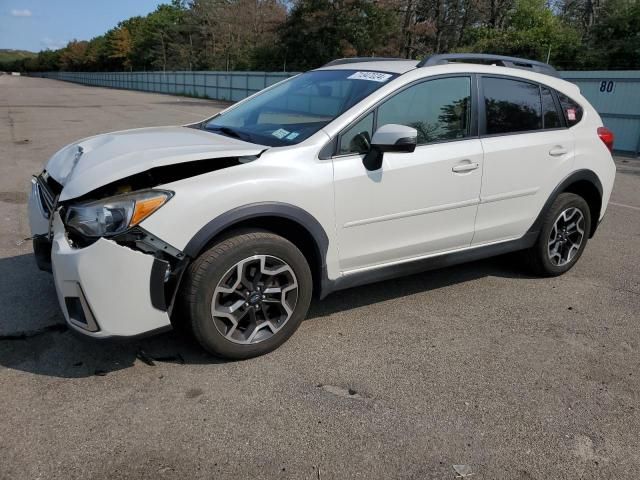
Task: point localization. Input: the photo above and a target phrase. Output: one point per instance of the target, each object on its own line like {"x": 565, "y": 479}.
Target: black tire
{"x": 204, "y": 274}
{"x": 538, "y": 257}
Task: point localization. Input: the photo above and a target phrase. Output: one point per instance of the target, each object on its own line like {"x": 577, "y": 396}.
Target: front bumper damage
{"x": 111, "y": 287}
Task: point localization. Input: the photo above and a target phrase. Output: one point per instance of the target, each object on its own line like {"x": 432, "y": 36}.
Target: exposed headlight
{"x": 113, "y": 215}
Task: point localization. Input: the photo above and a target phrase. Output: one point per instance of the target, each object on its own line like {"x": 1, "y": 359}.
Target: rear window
{"x": 571, "y": 110}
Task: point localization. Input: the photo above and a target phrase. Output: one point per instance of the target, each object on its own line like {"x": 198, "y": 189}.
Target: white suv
{"x": 358, "y": 171}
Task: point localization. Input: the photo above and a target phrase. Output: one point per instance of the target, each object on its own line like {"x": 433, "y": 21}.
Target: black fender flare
{"x": 257, "y": 210}
{"x": 573, "y": 177}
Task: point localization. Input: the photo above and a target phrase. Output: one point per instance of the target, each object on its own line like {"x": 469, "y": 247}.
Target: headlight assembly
{"x": 114, "y": 215}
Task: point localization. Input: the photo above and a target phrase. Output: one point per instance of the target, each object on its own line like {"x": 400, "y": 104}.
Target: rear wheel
{"x": 563, "y": 237}
{"x": 247, "y": 294}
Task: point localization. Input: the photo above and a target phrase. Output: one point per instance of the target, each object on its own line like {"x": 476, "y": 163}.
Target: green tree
{"x": 614, "y": 42}
{"x": 46, "y": 61}
{"x": 320, "y": 30}
{"x": 159, "y": 32}
{"x": 120, "y": 44}
{"x": 302, "y": 34}
{"x": 73, "y": 56}
{"x": 97, "y": 54}
{"x": 531, "y": 31}
{"x": 236, "y": 34}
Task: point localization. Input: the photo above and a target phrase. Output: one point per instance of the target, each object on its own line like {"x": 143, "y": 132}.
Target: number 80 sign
{"x": 607, "y": 86}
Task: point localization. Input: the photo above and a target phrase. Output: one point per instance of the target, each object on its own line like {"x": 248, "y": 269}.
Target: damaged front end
{"x": 105, "y": 215}
{"x": 113, "y": 277}
{"x": 111, "y": 214}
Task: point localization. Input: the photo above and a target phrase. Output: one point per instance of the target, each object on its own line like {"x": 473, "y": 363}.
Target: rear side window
{"x": 571, "y": 110}
{"x": 550, "y": 115}
{"x": 511, "y": 106}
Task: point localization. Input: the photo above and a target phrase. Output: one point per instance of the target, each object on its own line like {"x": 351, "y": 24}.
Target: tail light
{"x": 606, "y": 136}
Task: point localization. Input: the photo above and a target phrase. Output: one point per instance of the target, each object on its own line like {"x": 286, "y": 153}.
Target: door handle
{"x": 465, "y": 167}
{"x": 557, "y": 151}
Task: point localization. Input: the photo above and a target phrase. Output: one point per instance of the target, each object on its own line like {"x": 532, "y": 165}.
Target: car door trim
{"x": 412, "y": 213}
{"x": 415, "y": 265}
{"x": 509, "y": 195}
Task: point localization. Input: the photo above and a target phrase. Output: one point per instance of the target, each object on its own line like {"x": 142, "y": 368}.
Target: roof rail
{"x": 511, "y": 62}
{"x": 344, "y": 61}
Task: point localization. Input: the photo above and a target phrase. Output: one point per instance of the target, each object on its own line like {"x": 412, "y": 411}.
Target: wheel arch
{"x": 291, "y": 222}
{"x": 581, "y": 182}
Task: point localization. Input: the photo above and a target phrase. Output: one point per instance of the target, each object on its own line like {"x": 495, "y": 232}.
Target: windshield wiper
{"x": 230, "y": 132}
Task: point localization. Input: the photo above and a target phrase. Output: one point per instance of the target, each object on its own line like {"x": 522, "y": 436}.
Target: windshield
{"x": 296, "y": 109}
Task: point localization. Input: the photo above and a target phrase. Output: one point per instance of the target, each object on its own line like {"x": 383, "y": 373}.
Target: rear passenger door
{"x": 527, "y": 151}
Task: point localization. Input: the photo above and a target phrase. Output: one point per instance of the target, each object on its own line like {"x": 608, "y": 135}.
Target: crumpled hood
{"x": 96, "y": 161}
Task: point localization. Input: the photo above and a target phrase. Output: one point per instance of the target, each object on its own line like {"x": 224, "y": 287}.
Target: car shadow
{"x": 505, "y": 266}
{"x": 35, "y": 339}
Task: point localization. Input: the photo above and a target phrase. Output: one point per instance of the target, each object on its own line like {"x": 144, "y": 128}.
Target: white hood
{"x": 96, "y": 161}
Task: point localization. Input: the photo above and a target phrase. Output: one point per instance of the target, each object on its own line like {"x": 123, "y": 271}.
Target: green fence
{"x": 615, "y": 94}
{"x": 230, "y": 86}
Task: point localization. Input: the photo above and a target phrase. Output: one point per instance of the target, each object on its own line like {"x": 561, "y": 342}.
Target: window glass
{"x": 550, "y": 115}
{"x": 295, "y": 109}
{"x": 438, "y": 109}
{"x": 357, "y": 139}
{"x": 511, "y": 106}
{"x": 571, "y": 110}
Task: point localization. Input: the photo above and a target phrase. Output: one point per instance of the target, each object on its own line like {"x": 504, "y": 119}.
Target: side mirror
{"x": 390, "y": 138}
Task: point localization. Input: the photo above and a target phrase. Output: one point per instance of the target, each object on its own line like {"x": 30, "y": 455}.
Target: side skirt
{"x": 426, "y": 264}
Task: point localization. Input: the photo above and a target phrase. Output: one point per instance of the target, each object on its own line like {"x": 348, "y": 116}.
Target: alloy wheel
{"x": 254, "y": 299}
{"x": 566, "y": 237}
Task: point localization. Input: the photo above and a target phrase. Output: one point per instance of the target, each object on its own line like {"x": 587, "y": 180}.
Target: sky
{"x": 40, "y": 24}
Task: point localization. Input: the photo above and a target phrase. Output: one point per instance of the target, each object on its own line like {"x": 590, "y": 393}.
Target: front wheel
{"x": 247, "y": 294}
{"x": 563, "y": 237}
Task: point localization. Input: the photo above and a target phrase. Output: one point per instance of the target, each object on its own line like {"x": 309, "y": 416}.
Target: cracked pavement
{"x": 478, "y": 365}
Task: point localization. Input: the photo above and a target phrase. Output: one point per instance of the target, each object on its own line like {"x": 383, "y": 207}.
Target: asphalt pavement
{"x": 480, "y": 365}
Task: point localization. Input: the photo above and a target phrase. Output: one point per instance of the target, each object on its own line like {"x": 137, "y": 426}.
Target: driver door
{"x": 419, "y": 203}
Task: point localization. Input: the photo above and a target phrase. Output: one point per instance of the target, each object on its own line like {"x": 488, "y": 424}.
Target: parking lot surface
{"x": 479, "y": 365}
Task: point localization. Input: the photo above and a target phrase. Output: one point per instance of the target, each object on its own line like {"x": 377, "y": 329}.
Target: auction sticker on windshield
{"x": 280, "y": 133}
{"x": 371, "y": 76}
{"x": 292, "y": 135}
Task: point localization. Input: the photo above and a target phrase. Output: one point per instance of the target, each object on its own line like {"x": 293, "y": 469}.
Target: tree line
{"x": 276, "y": 35}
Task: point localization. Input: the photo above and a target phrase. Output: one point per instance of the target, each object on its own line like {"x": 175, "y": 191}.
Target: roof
{"x": 400, "y": 65}
{"x": 388, "y": 66}
{"x": 490, "y": 59}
